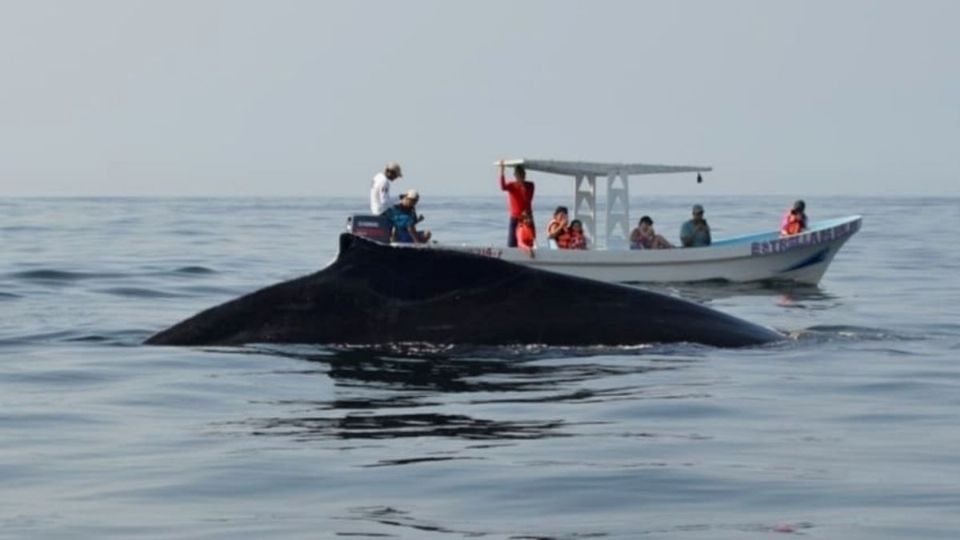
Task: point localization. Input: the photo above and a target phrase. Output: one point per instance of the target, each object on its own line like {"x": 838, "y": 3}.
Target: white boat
{"x": 766, "y": 256}
{"x": 802, "y": 258}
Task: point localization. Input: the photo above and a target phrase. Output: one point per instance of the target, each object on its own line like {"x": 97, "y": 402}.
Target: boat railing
{"x": 815, "y": 226}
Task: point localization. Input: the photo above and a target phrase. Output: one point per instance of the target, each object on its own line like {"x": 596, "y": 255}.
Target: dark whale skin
{"x": 374, "y": 294}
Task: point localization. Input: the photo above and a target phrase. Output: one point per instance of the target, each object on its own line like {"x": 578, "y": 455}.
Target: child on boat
{"x": 577, "y": 240}
{"x": 526, "y": 234}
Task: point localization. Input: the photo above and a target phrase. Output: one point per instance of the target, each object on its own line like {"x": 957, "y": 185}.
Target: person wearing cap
{"x": 695, "y": 232}
{"x": 380, "y": 190}
{"x": 403, "y": 219}
{"x": 520, "y": 194}
{"x": 795, "y": 220}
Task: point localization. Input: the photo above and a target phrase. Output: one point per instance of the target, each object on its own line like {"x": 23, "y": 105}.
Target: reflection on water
{"x": 377, "y": 395}
{"x": 396, "y": 426}
{"x": 783, "y": 293}
{"x": 461, "y": 370}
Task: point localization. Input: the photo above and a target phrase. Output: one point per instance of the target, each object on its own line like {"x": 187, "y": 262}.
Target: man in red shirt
{"x": 520, "y": 194}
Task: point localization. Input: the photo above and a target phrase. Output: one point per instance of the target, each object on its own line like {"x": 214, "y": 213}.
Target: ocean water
{"x": 848, "y": 430}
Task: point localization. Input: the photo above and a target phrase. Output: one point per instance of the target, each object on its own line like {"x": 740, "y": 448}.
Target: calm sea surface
{"x": 849, "y": 430}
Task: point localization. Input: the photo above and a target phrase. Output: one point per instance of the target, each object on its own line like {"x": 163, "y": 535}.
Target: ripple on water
{"x": 61, "y": 378}
{"x": 194, "y": 270}
{"x": 138, "y": 292}
{"x": 62, "y": 276}
{"x": 828, "y": 333}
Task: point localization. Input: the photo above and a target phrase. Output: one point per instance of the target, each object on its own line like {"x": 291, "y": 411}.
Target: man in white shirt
{"x": 380, "y": 191}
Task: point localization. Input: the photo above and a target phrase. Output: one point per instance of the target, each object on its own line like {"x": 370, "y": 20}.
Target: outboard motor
{"x": 376, "y": 228}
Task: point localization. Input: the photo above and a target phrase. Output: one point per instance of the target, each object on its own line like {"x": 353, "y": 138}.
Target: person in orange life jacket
{"x": 520, "y": 195}
{"x": 795, "y": 220}
{"x": 526, "y": 234}
{"x": 558, "y": 230}
{"x": 578, "y": 240}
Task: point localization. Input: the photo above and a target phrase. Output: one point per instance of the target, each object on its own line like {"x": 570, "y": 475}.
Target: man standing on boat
{"x": 520, "y": 194}
{"x": 695, "y": 232}
{"x": 380, "y": 190}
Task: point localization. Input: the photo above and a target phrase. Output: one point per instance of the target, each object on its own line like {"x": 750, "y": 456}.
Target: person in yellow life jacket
{"x": 795, "y": 220}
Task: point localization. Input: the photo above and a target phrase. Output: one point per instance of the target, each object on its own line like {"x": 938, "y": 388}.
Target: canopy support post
{"x": 618, "y": 208}
{"x": 585, "y": 203}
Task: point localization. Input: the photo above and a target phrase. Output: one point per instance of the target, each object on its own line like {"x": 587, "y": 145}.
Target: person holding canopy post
{"x": 520, "y": 195}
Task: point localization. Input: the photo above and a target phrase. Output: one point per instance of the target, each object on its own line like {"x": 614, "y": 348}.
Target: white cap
{"x": 395, "y": 167}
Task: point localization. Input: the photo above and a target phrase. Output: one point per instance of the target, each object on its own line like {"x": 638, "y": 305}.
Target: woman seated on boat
{"x": 403, "y": 219}
{"x": 645, "y": 237}
{"x": 558, "y": 230}
{"x": 795, "y": 220}
{"x": 577, "y": 240}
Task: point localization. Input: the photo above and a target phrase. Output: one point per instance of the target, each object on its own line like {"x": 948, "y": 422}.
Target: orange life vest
{"x": 562, "y": 236}
{"x": 794, "y": 225}
{"x": 526, "y": 237}
{"x": 577, "y": 241}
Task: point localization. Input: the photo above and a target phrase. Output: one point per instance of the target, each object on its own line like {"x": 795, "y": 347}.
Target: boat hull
{"x": 801, "y": 258}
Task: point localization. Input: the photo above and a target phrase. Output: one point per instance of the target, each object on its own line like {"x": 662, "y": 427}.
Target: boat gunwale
{"x": 737, "y": 247}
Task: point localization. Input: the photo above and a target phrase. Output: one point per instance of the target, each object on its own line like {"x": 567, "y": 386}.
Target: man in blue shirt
{"x": 695, "y": 232}
{"x": 403, "y": 218}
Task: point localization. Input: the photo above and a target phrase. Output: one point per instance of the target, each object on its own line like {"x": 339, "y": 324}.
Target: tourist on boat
{"x": 795, "y": 220}
{"x": 380, "y": 190}
{"x": 403, "y": 220}
{"x": 695, "y": 232}
{"x": 645, "y": 237}
{"x": 578, "y": 240}
{"x": 558, "y": 230}
{"x": 520, "y": 194}
{"x": 526, "y": 238}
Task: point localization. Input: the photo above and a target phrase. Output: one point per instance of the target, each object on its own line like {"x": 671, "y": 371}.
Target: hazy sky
{"x": 204, "y": 97}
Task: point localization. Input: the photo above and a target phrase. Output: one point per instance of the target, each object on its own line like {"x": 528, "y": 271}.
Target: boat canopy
{"x": 585, "y": 175}
{"x": 593, "y": 168}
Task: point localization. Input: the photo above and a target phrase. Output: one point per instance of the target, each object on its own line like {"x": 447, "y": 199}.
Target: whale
{"x": 380, "y": 294}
